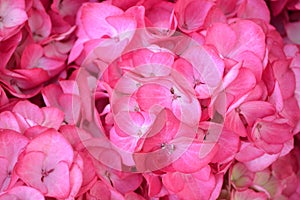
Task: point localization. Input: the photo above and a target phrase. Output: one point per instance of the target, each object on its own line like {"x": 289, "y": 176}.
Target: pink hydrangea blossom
{"x": 149, "y": 99}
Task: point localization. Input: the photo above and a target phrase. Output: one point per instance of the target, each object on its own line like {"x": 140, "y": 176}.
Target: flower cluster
{"x": 149, "y": 99}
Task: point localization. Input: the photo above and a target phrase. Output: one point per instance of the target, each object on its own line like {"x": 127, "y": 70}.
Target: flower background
{"x": 149, "y": 99}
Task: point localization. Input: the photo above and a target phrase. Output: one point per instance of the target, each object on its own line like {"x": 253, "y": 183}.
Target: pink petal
{"x": 58, "y": 149}
{"x": 191, "y": 14}
{"x": 29, "y": 170}
{"x": 31, "y": 54}
{"x": 229, "y": 145}
{"x": 242, "y": 84}
{"x": 207, "y": 63}
{"x": 222, "y": 36}
{"x": 133, "y": 196}
{"x": 124, "y": 26}
{"x": 271, "y": 132}
{"x": 94, "y": 19}
{"x": 22, "y": 192}
{"x": 9, "y": 120}
{"x": 254, "y": 158}
{"x": 254, "y": 9}
{"x": 251, "y": 112}
{"x": 29, "y": 79}
{"x": 234, "y": 122}
{"x": 190, "y": 161}
{"x": 50, "y": 94}
{"x": 154, "y": 182}
{"x": 29, "y": 111}
{"x": 125, "y": 4}
{"x": 39, "y": 22}
{"x": 4, "y": 175}
{"x": 15, "y": 18}
{"x": 190, "y": 186}
{"x": 251, "y": 61}
{"x": 14, "y": 142}
{"x": 53, "y": 117}
{"x": 250, "y": 38}
{"x": 58, "y": 183}
{"x": 7, "y": 48}
{"x": 153, "y": 94}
